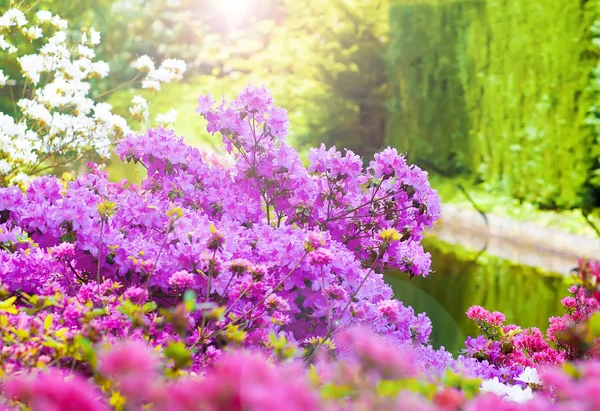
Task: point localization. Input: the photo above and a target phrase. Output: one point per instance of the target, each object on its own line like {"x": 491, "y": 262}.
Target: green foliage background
{"x": 501, "y": 89}
{"x": 528, "y": 296}
{"x": 503, "y": 92}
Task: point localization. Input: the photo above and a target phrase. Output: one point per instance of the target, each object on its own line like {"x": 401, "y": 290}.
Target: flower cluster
{"x": 372, "y": 375}
{"x": 389, "y": 204}
{"x": 508, "y": 347}
{"x": 222, "y": 251}
{"x": 58, "y": 119}
{"x": 572, "y": 332}
{"x": 575, "y": 335}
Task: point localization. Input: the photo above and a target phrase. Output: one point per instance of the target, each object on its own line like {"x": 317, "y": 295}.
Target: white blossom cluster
{"x": 514, "y": 393}
{"x": 170, "y": 70}
{"x": 57, "y": 117}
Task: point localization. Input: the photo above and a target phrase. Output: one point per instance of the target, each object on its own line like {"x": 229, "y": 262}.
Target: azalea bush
{"x": 371, "y": 375}
{"x": 204, "y": 256}
{"x": 573, "y": 336}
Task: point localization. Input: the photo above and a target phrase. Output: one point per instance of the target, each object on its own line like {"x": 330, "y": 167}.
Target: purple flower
{"x": 205, "y": 103}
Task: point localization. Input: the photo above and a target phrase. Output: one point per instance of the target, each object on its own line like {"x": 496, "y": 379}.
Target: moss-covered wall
{"x": 497, "y": 88}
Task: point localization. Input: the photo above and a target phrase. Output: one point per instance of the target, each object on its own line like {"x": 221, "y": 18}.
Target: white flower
{"x": 85, "y": 51}
{"x": 60, "y": 37}
{"x": 518, "y": 394}
{"x": 152, "y": 85}
{"x": 44, "y": 16}
{"x": 33, "y": 33}
{"x": 507, "y": 392}
{"x": 94, "y": 37}
{"x": 143, "y": 63}
{"x": 4, "y": 167}
{"x": 493, "y": 386}
{"x": 59, "y": 23}
{"x": 139, "y": 108}
{"x": 60, "y": 110}
{"x": 32, "y": 65}
{"x": 161, "y": 75}
{"x": 21, "y": 178}
{"x": 8, "y": 126}
{"x": 77, "y": 70}
{"x": 167, "y": 118}
{"x": 119, "y": 125}
{"x": 3, "y": 79}
{"x": 13, "y": 17}
{"x": 100, "y": 68}
{"x": 3, "y": 43}
{"x": 35, "y": 111}
{"x": 175, "y": 66}
{"x": 529, "y": 376}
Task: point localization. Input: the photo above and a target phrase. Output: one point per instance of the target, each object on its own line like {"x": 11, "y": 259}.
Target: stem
{"x": 283, "y": 280}
{"x": 99, "y": 260}
{"x": 330, "y": 330}
{"x": 71, "y": 284}
{"x": 208, "y": 285}
{"x": 137, "y": 76}
{"x": 162, "y": 246}
{"x": 325, "y": 294}
{"x": 228, "y": 284}
{"x": 353, "y": 209}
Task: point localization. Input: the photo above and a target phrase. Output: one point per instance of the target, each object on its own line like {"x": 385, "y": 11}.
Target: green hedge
{"x": 500, "y": 89}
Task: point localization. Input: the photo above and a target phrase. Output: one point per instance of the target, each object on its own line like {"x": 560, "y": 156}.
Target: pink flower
{"x": 205, "y": 103}
{"x": 321, "y": 256}
{"x": 391, "y": 361}
{"x": 449, "y": 398}
{"x": 63, "y": 251}
{"x": 182, "y": 279}
{"x": 53, "y": 390}
{"x": 496, "y": 318}
{"x": 131, "y": 357}
{"x": 478, "y": 313}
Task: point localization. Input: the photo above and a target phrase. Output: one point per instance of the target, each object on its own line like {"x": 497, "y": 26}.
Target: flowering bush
{"x": 201, "y": 257}
{"x": 574, "y": 336}
{"x": 373, "y": 375}
{"x": 57, "y": 119}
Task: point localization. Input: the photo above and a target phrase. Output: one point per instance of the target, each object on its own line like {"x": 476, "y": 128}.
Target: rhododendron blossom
{"x": 232, "y": 253}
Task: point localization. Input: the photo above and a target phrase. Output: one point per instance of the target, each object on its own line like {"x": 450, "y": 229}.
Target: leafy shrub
{"x": 57, "y": 120}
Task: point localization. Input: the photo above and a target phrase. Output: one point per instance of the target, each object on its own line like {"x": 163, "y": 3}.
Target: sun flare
{"x": 234, "y": 10}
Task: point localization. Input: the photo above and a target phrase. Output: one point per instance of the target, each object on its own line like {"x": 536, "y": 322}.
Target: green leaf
{"x": 149, "y": 306}
{"x": 336, "y": 392}
{"x": 178, "y": 352}
{"x": 189, "y": 299}
{"x": 48, "y": 322}
{"x": 452, "y": 379}
{"x": 391, "y": 388}
{"x": 87, "y": 351}
{"x": 594, "y": 326}
{"x": 470, "y": 387}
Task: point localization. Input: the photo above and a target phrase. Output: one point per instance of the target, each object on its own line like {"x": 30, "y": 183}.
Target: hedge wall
{"x": 502, "y": 89}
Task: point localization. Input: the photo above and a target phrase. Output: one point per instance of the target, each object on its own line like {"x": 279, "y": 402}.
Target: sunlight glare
{"x": 234, "y": 10}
